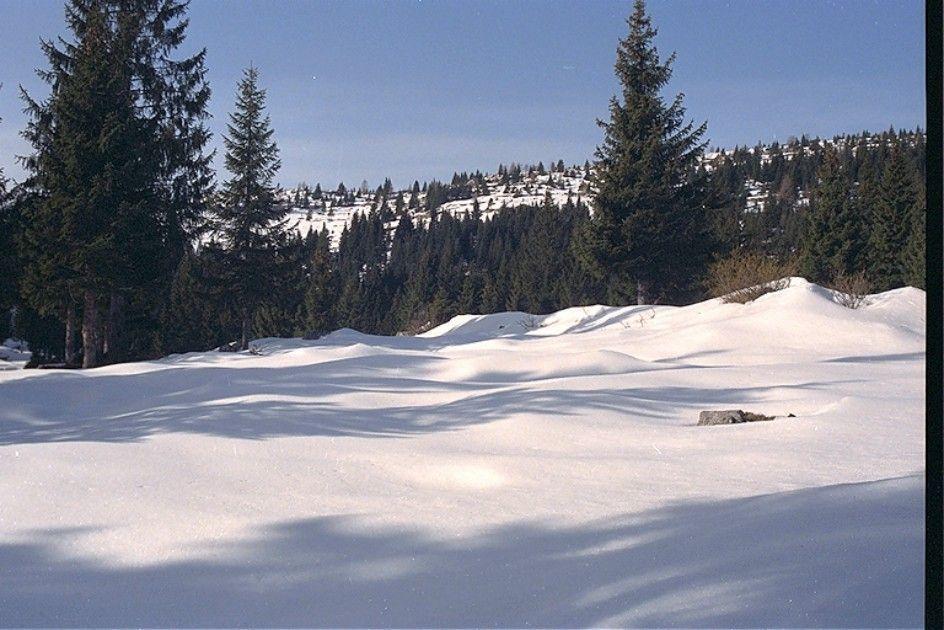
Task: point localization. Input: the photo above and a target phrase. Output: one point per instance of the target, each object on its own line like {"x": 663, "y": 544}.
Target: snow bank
{"x": 499, "y": 470}
{"x": 14, "y": 354}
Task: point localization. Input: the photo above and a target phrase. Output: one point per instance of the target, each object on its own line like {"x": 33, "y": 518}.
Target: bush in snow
{"x": 850, "y": 290}
{"x": 742, "y": 277}
{"x": 420, "y": 321}
{"x": 529, "y": 322}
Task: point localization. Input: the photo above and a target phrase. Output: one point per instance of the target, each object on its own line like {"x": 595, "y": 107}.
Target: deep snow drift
{"x": 499, "y": 470}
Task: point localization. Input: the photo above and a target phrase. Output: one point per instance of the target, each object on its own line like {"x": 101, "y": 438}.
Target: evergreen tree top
{"x": 251, "y": 152}
{"x": 638, "y": 67}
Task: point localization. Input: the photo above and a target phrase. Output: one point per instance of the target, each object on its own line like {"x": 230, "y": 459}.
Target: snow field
{"x": 499, "y": 470}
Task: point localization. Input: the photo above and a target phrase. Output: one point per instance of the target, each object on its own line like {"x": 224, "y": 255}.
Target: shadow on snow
{"x": 259, "y": 403}
{"x": 848, "y": 555}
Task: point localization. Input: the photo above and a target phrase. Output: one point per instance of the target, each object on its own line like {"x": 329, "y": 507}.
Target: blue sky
{"x": 418, "y": 89}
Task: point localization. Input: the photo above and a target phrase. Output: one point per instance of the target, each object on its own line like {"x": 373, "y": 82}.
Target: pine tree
{"x": 190, "y": 317}
{"x": 539, "y": 260}
{"x": 158, "y": 191}
{"x": 398, "y": 204}
{"x": 893, "y": 222}
{"x": 470, "y": 295}
{"x": 650, "y": 218}
{"x": 832, "y": 240}
{"x": 91, "y": 228}
{"x": 916, "y": 249}
{"x": 252, "y": 224}
{"x": 317, "y": 317}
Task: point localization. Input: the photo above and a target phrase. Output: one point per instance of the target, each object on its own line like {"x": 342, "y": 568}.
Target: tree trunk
{"x": 114, "y": 328}
{"x": 70, "y": 334}
{"x": 91, "y": 332}
{"x": 642, "y": 292}
{"x": 244, "y": 342}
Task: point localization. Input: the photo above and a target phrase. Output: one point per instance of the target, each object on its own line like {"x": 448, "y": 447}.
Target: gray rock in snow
{"x": 729, "y": 416}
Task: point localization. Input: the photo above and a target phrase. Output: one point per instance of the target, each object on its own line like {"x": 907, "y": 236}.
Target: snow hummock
{"x": 498, "y": 470}
{"x": 14, "y": 354}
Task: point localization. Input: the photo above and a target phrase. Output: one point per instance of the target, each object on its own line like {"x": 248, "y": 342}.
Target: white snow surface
{"x": 14, "y": 354}
{"x": 499, "y": 470}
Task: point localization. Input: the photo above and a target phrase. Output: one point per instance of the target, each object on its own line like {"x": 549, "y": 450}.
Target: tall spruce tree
{"x": 833, "y": 240}
{"x": 893, "y": 223}
{"x": 252, "y": 224}
{"x": 539, "y": 260}
{"x": 97, "y": 209}
{"x": 160, "y": 124}
{"x": 649, "y": 223}
{"x": 190, "y": 319}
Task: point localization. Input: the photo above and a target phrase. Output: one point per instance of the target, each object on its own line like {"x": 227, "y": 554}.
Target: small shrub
{"x": 743, "y": 277}
{"x": 851, "y": 290}
{"x": 649, "y": 315}
{"x": 419, "y": 322}
{"x": 529, "y": 322}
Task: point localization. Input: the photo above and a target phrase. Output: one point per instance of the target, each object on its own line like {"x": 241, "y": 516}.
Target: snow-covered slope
{"x": 499, "y": 470}
{"x": 529, "y": 185}
{"x": 334, "y": 211}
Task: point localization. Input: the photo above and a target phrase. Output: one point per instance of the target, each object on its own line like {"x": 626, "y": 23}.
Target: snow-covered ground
{"x": 500, "y": 470}
{"x": 14, "y": 354}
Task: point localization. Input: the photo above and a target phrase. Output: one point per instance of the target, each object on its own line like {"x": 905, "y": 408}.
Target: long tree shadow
{"x": 879, "y": 358}
{"x": 363, "y": 396}
{"x": 346, "y": 397}
{"x": 839, "y": 556}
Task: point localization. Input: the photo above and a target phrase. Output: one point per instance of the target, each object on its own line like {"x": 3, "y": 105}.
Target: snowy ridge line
{"x": 334, "y": 209}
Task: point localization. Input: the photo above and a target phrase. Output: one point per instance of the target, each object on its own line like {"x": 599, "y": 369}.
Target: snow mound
{"x": 800, "y": 319}
{"x": 14, "y": 354}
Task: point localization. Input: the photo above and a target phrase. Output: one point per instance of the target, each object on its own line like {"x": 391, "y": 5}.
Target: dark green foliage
{"x": 779, "y": 228}
{"x": 191, "y": 318}
{"x": 10, "y": 226}
{"x": 916, "y": 250}
{"x": 316, "y": 316}
{"x": 834, "y": 241}
{"x": 650, "y": 222}
{"x": 250, "y": 222}
{"x": 91, "y": 229}
{"x": 118, "y": 176}
{"x": 894, "y": 221}
{"x": 412, "y": 278}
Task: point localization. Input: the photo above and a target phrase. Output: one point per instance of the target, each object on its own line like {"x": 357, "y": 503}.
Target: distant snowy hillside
{"x": 335, "y": 210}
{"x": 499, "y": 470}
{"x": 520, "y": 185}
